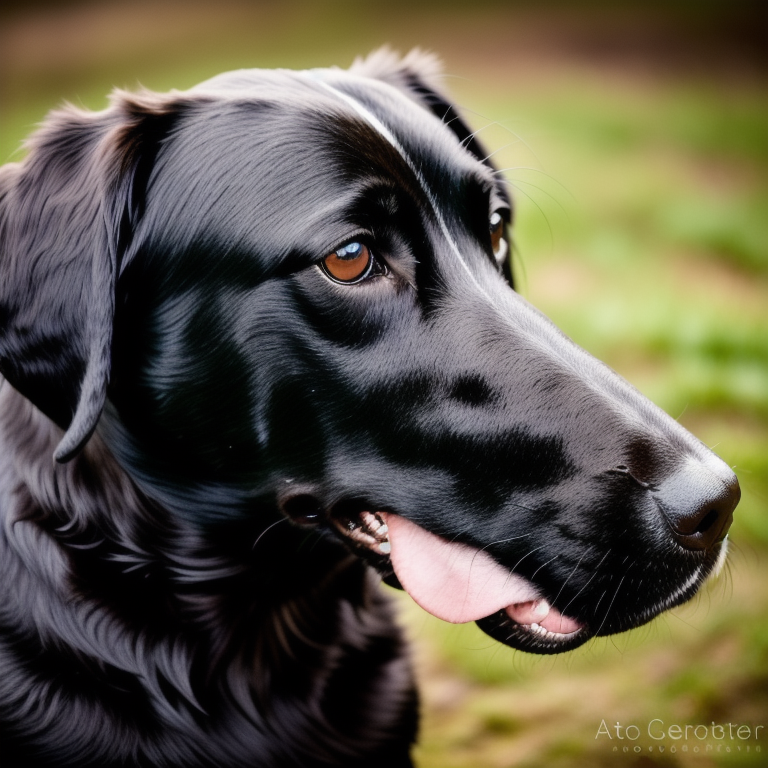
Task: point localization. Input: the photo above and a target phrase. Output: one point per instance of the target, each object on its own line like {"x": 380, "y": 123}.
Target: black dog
{"x": 267, "y": 330}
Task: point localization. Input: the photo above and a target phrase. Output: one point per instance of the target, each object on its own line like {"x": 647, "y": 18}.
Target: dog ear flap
{"x": 418, "y": 75}
{"x": 66, "y": 215}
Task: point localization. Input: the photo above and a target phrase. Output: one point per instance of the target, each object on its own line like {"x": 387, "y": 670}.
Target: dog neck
{"x": 72, "y": 526}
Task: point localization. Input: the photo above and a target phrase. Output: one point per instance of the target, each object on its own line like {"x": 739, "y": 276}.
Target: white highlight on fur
{"x": 382, "y": 129}
{"x": 671, "y": 600}
{"x": 720, "y": 562}
{"x": 694, "y": 577}
{"x": 680, "y": 591}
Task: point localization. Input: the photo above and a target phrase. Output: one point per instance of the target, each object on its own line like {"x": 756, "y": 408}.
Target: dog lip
{"x": 539, "y": 616}
{"x": 533, "y": 638}
{"x": 461, "y": 583}
{"x": 368, "y": 533}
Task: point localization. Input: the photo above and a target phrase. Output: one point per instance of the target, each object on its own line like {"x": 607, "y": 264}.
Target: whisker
{"x": 474, "y": 134}
{"x": 268, "y": 528}
{"x": 503, "y": 127}
{"x": 514, "y": 568}
{"x": 551, "y": 177}
{"x": 613, "y": 599}
{"x": 600, "y": 599}
{"x": 501, "y": 149}
{"x": 551, "y": 560}
{"x": 568, "y": 578}
{"x": 541, "y": 211}
{"x": 589, "y": 581}
{"x": 516, "y": 184}
{"x": 504, "y": 541}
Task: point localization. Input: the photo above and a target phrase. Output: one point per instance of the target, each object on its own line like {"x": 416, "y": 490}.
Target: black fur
{"x": 180, "y": 588}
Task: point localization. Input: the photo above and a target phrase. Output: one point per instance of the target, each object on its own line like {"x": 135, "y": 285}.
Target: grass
{"x": 641, "y": 230}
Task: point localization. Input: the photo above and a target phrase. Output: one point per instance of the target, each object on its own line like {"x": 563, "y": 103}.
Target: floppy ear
{"x": 418, "y": 75}
{"x": 66, "y": 215}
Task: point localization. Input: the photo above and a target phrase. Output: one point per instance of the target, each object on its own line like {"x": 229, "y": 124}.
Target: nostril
{"x": 704, "y": 532}
{"x": 698, "y": 504}
{"x": 700, "y": 528}
{"x": 699, "y": 521}
{"x": 707, "y": 521}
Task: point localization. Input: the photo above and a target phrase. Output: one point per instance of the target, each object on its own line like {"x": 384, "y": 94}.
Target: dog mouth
{"x": 459, "y": 583}
{"x": 365, "y": 530}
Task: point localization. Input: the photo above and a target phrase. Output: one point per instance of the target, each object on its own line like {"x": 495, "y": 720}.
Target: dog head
{"x": 289, "y": 294}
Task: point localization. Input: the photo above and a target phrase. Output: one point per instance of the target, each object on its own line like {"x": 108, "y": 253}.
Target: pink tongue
{"x": 454, "y": 582}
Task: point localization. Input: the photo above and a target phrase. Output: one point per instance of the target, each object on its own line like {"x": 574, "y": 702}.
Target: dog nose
{"x": 698, "y": 502}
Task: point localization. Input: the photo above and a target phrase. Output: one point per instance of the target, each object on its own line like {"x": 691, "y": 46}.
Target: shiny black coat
{"x": 181, "y": 589}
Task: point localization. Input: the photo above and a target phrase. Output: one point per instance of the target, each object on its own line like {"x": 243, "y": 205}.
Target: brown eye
{"x": 349, "y": 264}
{"x": 498, "y": 243}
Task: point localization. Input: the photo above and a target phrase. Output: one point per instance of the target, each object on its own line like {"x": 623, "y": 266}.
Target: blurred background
{"x": 635, "y": 137}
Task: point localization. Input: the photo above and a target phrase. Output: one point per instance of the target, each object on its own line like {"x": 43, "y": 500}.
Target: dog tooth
{"x": 385, "y": 547}
{"x": 540, "y": 608}
{"x": 544, "y": 634}
{"x": 538, "y": 630}
{"x": 368, "y": 520}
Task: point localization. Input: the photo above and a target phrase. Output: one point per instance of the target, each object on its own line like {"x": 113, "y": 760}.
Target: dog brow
{"x": 382, "y": 129}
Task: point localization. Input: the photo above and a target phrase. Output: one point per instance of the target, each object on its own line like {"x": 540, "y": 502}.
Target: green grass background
{"x": 636, "y": 140}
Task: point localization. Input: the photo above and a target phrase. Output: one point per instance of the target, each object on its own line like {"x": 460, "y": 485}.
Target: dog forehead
{"x": 285, "y": 154}
{"x": 426, "y": 144}
{"x": 383, "y": 113}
